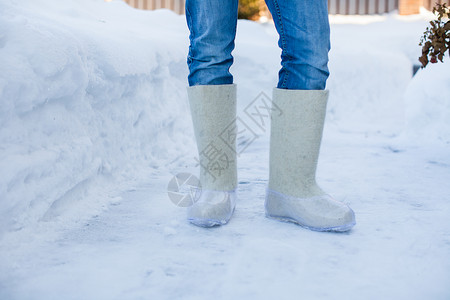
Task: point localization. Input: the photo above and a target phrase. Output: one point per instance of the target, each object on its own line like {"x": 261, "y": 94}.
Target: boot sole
{"x": 341, "y": 228}
{"x": 208, "y": 223}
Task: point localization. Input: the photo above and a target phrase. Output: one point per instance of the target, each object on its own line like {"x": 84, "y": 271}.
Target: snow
{"x": 428, "y": 105}
{"x": 85, "y": 98}
{"x": 95, "y": 122}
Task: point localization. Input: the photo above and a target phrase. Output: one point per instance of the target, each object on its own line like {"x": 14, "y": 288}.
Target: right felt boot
{"x": 293, "y": 194}
{"x": 213, "y": 110}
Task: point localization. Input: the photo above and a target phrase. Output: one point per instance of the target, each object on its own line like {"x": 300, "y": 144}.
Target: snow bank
{"x": 90, "y": 92}
{"x": 427, "y": 101}
{"x": 366, "y": 89}
{"x": 371, "y": 66}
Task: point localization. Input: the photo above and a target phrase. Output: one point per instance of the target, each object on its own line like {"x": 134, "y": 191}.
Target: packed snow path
{"x": 142, "y": 247}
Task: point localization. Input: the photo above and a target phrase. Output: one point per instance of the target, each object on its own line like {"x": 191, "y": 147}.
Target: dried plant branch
{"x": 435, "y": 41}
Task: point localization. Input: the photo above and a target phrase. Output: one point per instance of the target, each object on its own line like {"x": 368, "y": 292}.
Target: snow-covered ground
{"x": 95, "y": 122}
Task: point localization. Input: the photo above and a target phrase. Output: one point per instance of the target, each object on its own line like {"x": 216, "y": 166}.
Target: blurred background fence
{"x": 361, "y": 7}
{"x": 344, "y": 7}
{"x": 175, "y": 5}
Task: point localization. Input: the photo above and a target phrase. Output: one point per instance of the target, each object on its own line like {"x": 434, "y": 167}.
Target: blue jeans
{"x": 304, "y": 40}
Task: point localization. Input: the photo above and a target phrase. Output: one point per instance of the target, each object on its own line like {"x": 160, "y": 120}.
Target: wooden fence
{"x": 361, "y": 7}
{"x": 344, "y": 7}
{"x": 175, "y": 5}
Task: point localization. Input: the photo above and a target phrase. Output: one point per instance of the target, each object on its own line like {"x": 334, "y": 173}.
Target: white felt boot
{"x": 213, "y": 110}
{"x": 293, "y": 194}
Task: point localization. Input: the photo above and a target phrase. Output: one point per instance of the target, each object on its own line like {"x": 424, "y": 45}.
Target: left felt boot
{"x": 293, "y": 194}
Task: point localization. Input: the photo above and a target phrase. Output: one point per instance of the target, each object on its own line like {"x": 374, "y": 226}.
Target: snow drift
{"x": 428, "y": 105}
{"x": 85, "y": 96}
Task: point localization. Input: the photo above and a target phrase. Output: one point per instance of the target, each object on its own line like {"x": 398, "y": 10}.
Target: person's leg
{"x": 212, "y": 26}
{"x": 296, "y": 132}
{"x": 212, "y": 100}
{"x": 305, "y": 42}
